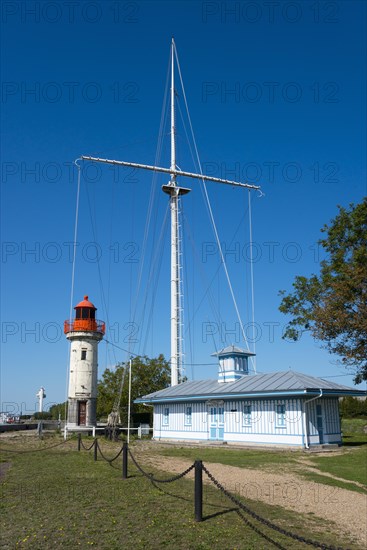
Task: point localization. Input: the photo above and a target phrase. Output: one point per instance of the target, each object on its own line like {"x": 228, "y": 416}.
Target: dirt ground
{"x": 347, "y": 509}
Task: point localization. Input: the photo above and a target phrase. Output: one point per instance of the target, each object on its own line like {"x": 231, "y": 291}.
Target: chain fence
{"x": 199, "y": 467}
{"x": 258, "y": 532}
{"x": 110, "y": 460}
{"x": 156, "y": 480}
{"x": 266, "y": 521}
{"x": 84, "y": 447}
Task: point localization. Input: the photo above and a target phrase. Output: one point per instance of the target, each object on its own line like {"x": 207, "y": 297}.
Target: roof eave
{"x": 284, "y": 393}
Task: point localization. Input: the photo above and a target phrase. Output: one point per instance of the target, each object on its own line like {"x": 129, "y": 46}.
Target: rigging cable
{"x": 150, "y": 210}
{"x": 103, "y": 296}
{"x": 72, "y": 282}
{"x": 137, "y": 355}
{"x": 193, "y": 244}
{"x": 211, "y": 213}
{"x": 252, "y": 280}
{"x": 186, "y": 293}
{"x": 190, "y": 332}
{"x": 113, "y": 201}
{"x": 153, "y": 278}
{"x": 182, "y": 280}
{"x": 208, "y": 291}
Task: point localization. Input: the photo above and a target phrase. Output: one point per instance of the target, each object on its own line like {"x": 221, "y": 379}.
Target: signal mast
{"x": 175, "y": 192}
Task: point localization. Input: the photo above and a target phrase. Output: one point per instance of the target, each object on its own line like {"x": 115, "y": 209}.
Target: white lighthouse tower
{"x": 84, "y": 333}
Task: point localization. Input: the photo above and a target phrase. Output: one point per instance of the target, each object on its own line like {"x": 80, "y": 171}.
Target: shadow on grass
{"x": 352, "y": 441}
{"x": 217, "y": 514}
{"x": 258, "y": 531}
{"x": 223, "y": 510}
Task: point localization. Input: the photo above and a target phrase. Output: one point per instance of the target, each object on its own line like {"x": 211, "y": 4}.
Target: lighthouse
{"x": 84, "y": 332}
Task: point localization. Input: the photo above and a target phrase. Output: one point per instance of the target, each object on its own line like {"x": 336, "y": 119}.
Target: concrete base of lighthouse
{"x": 81, "y": 412}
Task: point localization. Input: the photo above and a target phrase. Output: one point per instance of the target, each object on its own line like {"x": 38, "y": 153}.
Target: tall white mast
{"x": 173, "y": 129}
{"x": 175, "y": 257}
{"x": 176, "y": 254}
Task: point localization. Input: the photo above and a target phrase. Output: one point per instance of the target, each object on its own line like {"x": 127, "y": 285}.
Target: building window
{"x": 166, "y": 417}
{"x": 84, "y": 354}
{"x": 188, "y": 416}
{"x": 247, "y": 415}
{"x": 280, "y": 416}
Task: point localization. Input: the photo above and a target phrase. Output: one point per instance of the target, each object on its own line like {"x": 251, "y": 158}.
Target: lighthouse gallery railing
{"x": 92, "y": 325}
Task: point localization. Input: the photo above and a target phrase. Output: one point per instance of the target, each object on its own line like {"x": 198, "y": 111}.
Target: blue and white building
{"x": 278, "y": 408}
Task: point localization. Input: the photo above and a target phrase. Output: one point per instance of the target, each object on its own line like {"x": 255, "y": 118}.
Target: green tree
{"x": 351, "y": 407}
{"x": 333, "y": 304}
{"x": 42, "y": 415}
{"x": 147, "y": 376}
{"x": 56, "y": 410}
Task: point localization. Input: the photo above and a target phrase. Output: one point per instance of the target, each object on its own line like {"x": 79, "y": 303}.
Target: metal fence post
{"x": 79, "y": 440}
{"x": 198, "y": 490}
{"x": 124, "y": 460}
{"x": 95, "y": 448}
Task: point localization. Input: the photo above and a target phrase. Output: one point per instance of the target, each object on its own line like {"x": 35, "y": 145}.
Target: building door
{"x": 216, "y": 423}
{"x": 82, "y": 413}
{"x": 320, "y": 427}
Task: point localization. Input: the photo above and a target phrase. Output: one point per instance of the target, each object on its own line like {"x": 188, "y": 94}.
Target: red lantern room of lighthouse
{"x": 84, "y": 333}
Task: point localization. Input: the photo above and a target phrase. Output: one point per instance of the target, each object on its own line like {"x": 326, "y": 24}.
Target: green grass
{"x": 244, "y": 458}
{"x": 354, "y": 425}
{"x": 353, "y": 431}
{"x": 326, "y": 480}
{"x": 60, "y": 498}
{"x": 352, "y": 465}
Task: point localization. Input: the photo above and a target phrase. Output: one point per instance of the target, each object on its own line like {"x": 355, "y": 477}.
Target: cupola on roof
{"x": 231, "y": 350}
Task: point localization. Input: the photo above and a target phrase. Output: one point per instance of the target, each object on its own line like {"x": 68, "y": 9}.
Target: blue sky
{"x": 276, "y": 96}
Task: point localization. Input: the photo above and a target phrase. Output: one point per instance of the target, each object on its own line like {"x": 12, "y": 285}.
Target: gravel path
{"x": 347, "y": 509}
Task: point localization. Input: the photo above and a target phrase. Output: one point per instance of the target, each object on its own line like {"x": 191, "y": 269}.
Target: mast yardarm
{"x": 174, "y": 191}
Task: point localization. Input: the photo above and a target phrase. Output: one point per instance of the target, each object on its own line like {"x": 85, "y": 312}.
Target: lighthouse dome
{"x": 85, "y": 303}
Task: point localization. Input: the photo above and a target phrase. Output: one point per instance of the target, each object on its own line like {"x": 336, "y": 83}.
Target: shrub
{"x": 351, "y": 407}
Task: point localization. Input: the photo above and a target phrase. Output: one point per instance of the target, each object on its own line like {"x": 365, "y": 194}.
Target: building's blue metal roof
{"x": 254, "y": 385}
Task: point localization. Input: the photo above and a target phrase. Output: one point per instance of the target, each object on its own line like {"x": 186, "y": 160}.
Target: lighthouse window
{"x": 84, "y": 354}
{"x": 85, "y": 313}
